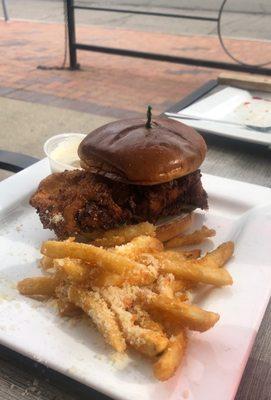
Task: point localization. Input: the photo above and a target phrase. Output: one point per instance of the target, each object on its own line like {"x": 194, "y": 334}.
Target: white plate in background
{"x": 235, "y": 105}
{"x": 214, "y": 361}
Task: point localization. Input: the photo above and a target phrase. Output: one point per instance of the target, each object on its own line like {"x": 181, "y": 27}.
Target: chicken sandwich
{"x": 132, "y": 171}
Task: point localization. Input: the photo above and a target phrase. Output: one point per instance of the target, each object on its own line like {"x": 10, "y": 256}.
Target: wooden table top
{"x": 21, "y": 378}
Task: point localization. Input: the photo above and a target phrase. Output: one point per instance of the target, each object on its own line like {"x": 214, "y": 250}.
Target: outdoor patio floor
{"x": 106, "y": 85}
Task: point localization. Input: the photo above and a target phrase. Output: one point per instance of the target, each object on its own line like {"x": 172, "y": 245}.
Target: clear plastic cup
{"x": 61, "y": 151}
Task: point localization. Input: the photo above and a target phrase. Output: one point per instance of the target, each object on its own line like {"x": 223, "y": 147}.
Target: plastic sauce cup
{"x": 61, "y": 151}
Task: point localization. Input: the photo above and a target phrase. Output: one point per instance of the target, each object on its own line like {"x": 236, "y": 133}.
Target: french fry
{"x": 105, "y": 279}
{"x": 38, "y": 286}
{"x": 133, "y": 277}
{"x": 46, "y": 263}
{"x": 165, "y": 285}
{"x": 94, "y": 306}
{"x": 170, "y": 324}
{"x": 124, "y": 234}
{"x": 76, "y": 270}
{"x": 173, "y": 228}
{"x": 89, "y": 253}
{"x": 167, "y": 364}
{"x": 215, "y": 259}
{"x": 133, "y": 288}
{"x": 146, "y": 341}
{"x": 67, "y": 309}
{"x": 180, "y": 285}
{"x": 169, "y": 255}
{"x": 178, "y": 256}
{"x": 191, "y": 271}
{"x": 99, "y": 257}
{"x": 190, "y": 254}
{"x": 218, "y": 257}
{"x": 190, "y": 315}
{"x": 139, "y": 245}
{"x": 192, "y": 238}
{"x": 144, "y": 319}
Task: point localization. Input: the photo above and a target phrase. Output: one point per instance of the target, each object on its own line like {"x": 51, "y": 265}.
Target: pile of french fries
{"x": 135, "y": 285}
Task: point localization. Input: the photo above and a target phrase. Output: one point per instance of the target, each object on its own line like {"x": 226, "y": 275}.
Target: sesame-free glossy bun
{"x": 129, "y": 152}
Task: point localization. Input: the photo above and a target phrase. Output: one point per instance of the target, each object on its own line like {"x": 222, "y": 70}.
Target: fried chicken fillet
{"x": 77, "y": 202}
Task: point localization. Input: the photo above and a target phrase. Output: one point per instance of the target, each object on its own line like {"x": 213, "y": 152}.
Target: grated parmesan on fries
{"x": 135, "y": 290}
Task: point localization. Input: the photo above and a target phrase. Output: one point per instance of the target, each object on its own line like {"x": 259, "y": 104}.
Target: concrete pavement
{"x": 25, "y": 126}
{"x": 242, "y": 18}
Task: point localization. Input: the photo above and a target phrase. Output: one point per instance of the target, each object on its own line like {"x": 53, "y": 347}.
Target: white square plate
{"x": 214, "y": 361}
{"x": 234, "y": 105}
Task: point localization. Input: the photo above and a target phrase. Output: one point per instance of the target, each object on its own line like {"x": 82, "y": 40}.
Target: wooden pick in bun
{"x": 141, "y": 153}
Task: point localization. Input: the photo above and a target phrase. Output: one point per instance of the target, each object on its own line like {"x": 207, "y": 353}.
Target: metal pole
{"x": 175, "y": 59}
{"x": 155, "y": 14}
{"x": 71, "y": 34}
{"x": 5, "y": 10}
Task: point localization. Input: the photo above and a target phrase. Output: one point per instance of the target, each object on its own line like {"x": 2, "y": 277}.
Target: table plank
{"x": 245, "y": 81}
{"x": 22, "y": 378}
{"x": 247, "y": 162}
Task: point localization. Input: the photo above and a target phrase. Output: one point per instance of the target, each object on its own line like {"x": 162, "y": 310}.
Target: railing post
{"x": 71, "y": 34}
{"x": 5, "y": 10}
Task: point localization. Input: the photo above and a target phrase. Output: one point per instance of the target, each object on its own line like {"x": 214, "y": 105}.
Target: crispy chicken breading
{"x": 77, "y": 202}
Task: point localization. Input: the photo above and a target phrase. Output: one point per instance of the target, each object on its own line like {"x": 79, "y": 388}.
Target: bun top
{"x": 130, "y": 152}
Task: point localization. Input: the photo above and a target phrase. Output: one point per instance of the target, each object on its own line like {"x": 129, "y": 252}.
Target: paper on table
{"x": 235, "y": 105}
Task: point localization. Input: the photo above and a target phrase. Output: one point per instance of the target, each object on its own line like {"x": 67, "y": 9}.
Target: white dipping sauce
{"x": 66, "y": 152}
{"x": 61, "y": 151}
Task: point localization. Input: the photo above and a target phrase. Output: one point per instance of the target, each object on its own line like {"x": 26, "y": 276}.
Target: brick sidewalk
{"x": 106, "y": 85}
